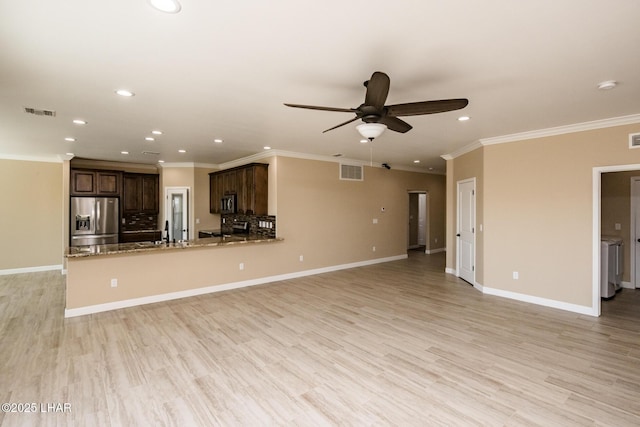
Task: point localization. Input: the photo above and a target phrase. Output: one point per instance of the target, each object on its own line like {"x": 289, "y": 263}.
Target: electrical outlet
{"x": 516, "y": 276}
{"x": 373, "y": 248}
{"x": 114, "y": 283}
{"x": 301, "y": 258}
{"x": 375, "y": 220}
{"x": 241, "y": 266}
{"x": 197, "y": 220}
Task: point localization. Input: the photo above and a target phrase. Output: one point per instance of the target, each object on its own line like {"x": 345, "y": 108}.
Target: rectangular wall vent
{"x": 39, "y": 112}
{"x": 351, "y": 172}
{"x": 634, "y": 140}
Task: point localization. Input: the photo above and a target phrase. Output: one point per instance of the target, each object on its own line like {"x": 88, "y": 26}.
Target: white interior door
{"x": 466, "y": 252}
{"x": 177, "y": 212}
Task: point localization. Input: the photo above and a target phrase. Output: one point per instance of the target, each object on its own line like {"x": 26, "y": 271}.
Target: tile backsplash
{"x": 139, "y": 221}
{"x": 262, "y": 225}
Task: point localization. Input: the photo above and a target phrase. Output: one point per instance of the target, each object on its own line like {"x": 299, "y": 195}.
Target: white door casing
{"x": 466, "y": 253}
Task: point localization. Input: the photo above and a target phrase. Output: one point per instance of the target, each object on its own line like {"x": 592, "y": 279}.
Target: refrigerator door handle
{"x": 98, "y": 217}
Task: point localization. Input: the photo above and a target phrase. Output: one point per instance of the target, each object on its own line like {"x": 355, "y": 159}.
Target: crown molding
{"x": 464, "y": 150}
{"x": 541, "y": 133}
{"x": 561, "y": 130}
{"x": 292, "y": 154}
{"x": 51, "y": 159}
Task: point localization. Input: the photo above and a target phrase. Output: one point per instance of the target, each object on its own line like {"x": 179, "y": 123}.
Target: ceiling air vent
{"x": 39, "y": 112}
{"x": 634, "y": 140}
{"x": 351, "y": 172}
{"x": 151, "y": 153}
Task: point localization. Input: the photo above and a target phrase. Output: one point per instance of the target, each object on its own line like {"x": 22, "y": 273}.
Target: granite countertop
{"x": 142, "y": 247}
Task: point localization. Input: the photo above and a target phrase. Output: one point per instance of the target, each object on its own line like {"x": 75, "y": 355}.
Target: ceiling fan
{"x": 373, "y": 109}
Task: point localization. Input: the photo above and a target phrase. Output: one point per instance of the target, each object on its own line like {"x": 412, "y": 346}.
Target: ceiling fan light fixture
{"x": 166, "y": 6}
{"x": 371, "y": 130}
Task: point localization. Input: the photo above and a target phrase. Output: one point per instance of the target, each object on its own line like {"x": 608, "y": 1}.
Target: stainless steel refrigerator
{"x": 94, "y": 221}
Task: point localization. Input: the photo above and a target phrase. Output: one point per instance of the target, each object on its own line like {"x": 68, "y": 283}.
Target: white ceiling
{"x": 223, "y": 69}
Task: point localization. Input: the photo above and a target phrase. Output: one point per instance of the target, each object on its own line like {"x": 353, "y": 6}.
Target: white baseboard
{"x": 98, "y": 308}
{"x": 581, "y": 309}
{"x": 30, "y": 269}
{"x": 451, "y": 271}
{"x": 627, "y": 285}
{"x": 434, "y": 251}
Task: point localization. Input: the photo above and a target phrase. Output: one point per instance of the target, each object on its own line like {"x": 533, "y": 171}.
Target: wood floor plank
{"x": 398, "y": 343}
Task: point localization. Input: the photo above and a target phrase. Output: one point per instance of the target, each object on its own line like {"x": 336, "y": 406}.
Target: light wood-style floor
{"x": 399, "y": 343}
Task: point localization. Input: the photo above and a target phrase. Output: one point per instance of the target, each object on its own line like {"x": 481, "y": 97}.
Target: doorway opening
{"x": 177, "y": 213}
{"x": 418, "y": 230}
{"x": 622, "y": 224}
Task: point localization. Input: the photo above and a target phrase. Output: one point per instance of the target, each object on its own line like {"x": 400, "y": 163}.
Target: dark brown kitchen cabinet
{"x": 249, "y": 183}
{"x": 140, "y": 193}
{"x": 95, "y": 182}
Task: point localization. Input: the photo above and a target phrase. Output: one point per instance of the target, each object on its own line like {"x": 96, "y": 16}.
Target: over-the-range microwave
{"x": 228, "y": 204}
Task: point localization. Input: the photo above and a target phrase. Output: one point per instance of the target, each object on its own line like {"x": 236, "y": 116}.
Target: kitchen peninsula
{"x": 108, "y": 277}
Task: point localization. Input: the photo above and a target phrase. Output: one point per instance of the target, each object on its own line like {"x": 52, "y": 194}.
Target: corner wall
{"x": 538, "y": 212}
{"x": 31, "y": 216}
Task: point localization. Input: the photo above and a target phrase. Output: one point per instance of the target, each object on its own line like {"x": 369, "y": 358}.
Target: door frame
{"x": 596, "y": 229}
{"x": 458, "y": 213}
{"x": 168, "y": 191}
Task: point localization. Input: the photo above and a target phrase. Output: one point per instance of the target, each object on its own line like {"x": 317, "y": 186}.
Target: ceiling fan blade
{"x": 426, "y": 107}
{"x": 395, "y": 124}
{"x": 341, "y": 124}
{"x": 315, "y": 107}
{"x": 377, "y": 90}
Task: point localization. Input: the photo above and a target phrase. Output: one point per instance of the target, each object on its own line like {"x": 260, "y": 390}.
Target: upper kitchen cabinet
{"x": 249, "y": 183}
{"x": 140, "y": 193}
{"x": 86, "y": 182}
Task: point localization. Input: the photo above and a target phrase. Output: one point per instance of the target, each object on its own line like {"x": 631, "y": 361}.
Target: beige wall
{"x": 327, "y": 221}
{"x": 208, "y": 221}
{"x": 31, "y": 214}
{"x": 537, "y": 211}
{"x": 330, "y": 221}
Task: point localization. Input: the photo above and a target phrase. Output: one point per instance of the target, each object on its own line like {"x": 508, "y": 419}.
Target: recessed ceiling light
{"x": 160, "y": 161}
{"x": 266, "y": 147}
{"x": 463, "y": 118}
{"x": 79, "y": 122}
{"x": 124, "y": 152}
{"x": 182, "y": 151}
{"x": 416, "y": 161}
{"x": 607, "y": 85}
{"x": 70, "y": 154}
{"x": 364, "y": 141}
{"x": 69, "y": 139}
{"x": 156, "y": 132}
{"x": 430, "y": 169}
{"x": 149, "y": 138}
{"x": 125, "y": 93}
{"x": 167, "y": 6}
{"x": 217, "y": 141}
